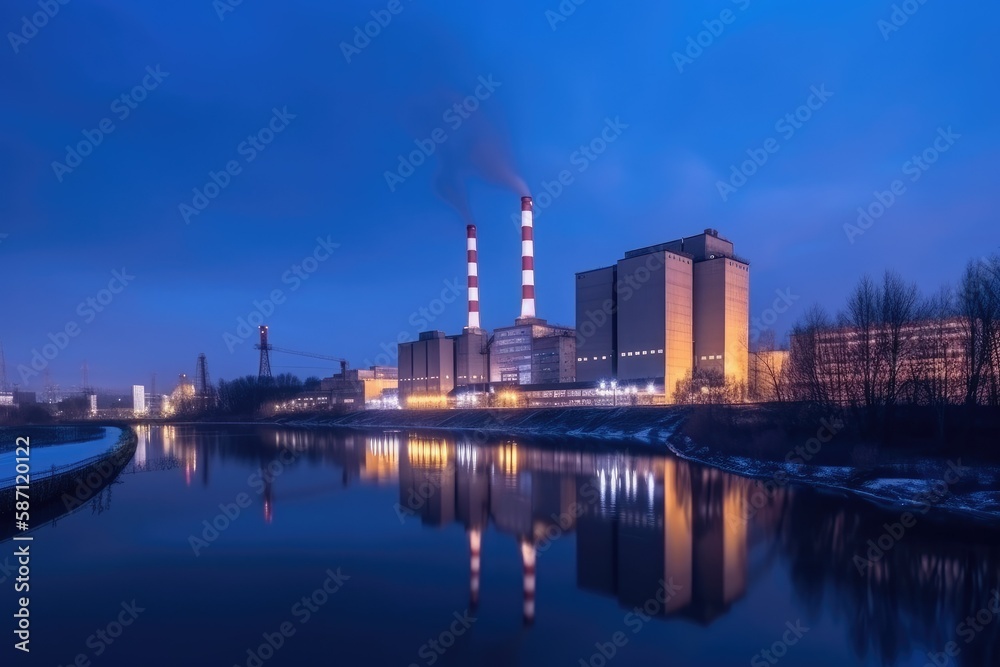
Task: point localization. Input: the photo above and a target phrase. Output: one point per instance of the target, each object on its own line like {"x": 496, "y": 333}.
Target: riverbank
{"x": 651, "y": 426}
{"x": 66, "y": 476}
{"x": 778, "y": 449}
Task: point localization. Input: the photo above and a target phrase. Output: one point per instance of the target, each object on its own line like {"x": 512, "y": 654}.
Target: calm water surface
{"x": 444, "y": 551}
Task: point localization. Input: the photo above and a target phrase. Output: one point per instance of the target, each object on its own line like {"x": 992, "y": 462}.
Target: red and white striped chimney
{"x": 473, "y": 259}
{"x": 527, "y": 259}
{"x": 475, "y": 547}
{"x": 528, "y": 558}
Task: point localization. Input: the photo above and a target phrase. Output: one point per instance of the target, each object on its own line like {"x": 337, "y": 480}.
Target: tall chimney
{"x": 475, "y": 546}
{"x": 527, "y": 259}
{"x": 473, "y": 259}
{"x": 528, "y": 558}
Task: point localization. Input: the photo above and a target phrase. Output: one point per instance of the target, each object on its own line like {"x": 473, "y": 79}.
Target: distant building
{"x": 665, "y": 311}
{"x": 92, "y": 404}
{"x": 6, "y": 398}
{"x": 139, "y": 399}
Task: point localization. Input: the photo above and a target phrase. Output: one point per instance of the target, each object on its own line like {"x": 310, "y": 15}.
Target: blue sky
{"x": 556, "y": 84}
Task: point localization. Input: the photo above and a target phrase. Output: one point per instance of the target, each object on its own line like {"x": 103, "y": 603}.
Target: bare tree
{"x": 769, "y": 372}
{"x": 979, "y": 310}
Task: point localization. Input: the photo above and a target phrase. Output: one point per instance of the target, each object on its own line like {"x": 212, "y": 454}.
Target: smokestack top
{"x": 473, "y": 262}
{"x": 526, "y": 204}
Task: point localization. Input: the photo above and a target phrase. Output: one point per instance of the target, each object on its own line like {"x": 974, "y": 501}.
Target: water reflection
{"x": 640, "y": 520}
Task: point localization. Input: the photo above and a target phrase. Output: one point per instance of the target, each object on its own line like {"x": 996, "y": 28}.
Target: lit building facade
{"x": 139, "y": 399}
{"x": 533, "y": 352}
{"x": 426, "y": 366}
{"x": 664, "y": 311}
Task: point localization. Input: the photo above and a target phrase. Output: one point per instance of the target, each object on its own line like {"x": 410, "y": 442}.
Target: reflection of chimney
{"x": 528, "y": 555}
{"x": 268, "y": 499}
{"x": 475, "y": 543}
{"x": 473, "y": 254}
{"x": 527, "y": 259}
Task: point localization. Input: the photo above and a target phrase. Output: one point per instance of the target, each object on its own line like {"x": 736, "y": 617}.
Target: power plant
{"x": 662, "y": 317}
{"x": 658, "y": 316}
{"x": 474, "y": 362}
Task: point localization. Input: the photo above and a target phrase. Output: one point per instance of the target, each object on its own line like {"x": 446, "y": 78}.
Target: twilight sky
{"x": 207, "y": 85}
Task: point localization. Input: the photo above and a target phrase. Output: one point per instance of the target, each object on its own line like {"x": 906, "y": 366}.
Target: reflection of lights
{"x": 382, "y": 457}
{"x": 425, "y": 452}
{"x": 507, "y": 454}
{"x": 468, "y": 456}
{"x": 650, "y": 488}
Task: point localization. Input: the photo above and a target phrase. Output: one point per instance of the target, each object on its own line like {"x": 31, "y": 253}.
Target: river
{"x": 246, "y": 545}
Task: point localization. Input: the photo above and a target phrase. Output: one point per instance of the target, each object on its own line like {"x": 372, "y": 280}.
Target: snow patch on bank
{"x": 975, "y": 494}
{"x": 63, "y": 457}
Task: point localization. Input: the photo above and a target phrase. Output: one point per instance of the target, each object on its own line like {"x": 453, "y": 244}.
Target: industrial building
{"x": 665, "y": 311}
{"x": 532, "y": 351}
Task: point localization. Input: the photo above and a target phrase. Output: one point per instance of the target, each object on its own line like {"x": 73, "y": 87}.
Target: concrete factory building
{"x": 664, "y": 311}
{"x": 530, "y": 352}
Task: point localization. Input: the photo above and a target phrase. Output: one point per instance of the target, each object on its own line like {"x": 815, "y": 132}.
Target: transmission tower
{"x": 202, "y": 383}
{"x": 265, "y": 356}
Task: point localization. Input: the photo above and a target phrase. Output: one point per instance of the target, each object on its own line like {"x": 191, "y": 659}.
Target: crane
{"x": 265, "y": 360}
{"x": 343, "y": 362}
